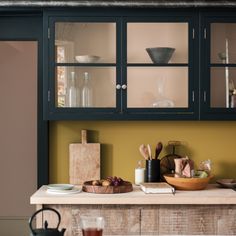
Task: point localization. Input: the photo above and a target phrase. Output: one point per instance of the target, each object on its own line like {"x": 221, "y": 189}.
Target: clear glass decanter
{"x": 72, "y": 92}
{"x": 87, "y": 93}
{"x": 162, "y": 101}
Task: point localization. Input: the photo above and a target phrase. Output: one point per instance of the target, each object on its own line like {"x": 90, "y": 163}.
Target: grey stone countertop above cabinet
{"x": 117, "y": 3}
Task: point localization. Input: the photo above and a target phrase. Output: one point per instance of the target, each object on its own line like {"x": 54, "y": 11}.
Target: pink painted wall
{"x": 18, "y": 127}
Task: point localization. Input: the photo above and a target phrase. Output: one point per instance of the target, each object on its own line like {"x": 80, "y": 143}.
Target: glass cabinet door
{"x": 120, "y": 67}
{"x": 223, "y": 65}
{"x": 158, "y": 65}
{"x": 85, "y": 59}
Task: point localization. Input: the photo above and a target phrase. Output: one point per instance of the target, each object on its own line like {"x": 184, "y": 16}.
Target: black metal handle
{"x": 43, "y": 209}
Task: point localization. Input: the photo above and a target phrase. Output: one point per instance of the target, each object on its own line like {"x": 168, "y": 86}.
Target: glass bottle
{"x": 139, "y": 174}
{"x": 87, "y": 93}
{"x": 231, "y": 94}
{"x": 72, "y": 96}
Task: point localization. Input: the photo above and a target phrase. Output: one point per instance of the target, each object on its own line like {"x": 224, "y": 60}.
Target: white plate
{"x": 59, "y": 191}
{"x": 60, "y": 186}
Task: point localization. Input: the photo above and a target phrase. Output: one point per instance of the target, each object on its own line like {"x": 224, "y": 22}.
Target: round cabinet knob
{"x": 124, "y": 86}
{"x": 118, "y": 86}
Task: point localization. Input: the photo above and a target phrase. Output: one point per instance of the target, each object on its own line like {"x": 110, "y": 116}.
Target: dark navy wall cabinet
{"x": 121, "y": 64}
{"x": 139, "y": 64}
{"x": 218, "y": 65}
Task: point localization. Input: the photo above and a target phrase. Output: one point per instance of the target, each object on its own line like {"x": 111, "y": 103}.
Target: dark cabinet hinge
{"x": 204, "y": 96}
{"x": 193, "y": 96}
{"x": 205, "y": 33}
{"x": 49, "y": 96}
{"x": 193, "y": 33}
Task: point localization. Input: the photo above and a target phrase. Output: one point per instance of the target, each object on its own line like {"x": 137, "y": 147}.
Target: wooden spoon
{"x": 158, "y": 150}
{"x": 149, "y": 151}
{"x": 144, "y": 151}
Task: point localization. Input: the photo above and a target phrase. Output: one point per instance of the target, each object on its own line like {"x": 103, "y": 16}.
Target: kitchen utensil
{"x": 60, "y": 186}
{"x": 70, "y": 191}
{"x": 84, "y": 163}
{"x": 160, "y": 54}
{"x": 187, "y": 183}
{"x": 167, "y": 162}
{"x": 87, "y": 58}
{"x": 92, "y": 225}
{"x": 143, "y": 151}
{"x": 124, "y": 188}
{"x": 227, "y": 183}
{"x": 149, "y": 151}
{"x": 158, "y": 150}
{"x": 46, "y": 231}
{"x": 152, "y": 173}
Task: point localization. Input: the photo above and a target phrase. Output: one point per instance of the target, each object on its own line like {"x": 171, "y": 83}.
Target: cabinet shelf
{"x": 158, "y": 65}
{"x": 223, "y": 65}
{"x": 87, "y": 64}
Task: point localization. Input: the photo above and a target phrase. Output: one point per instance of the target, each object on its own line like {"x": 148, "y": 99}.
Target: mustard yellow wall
{"x": 121, "y": 140}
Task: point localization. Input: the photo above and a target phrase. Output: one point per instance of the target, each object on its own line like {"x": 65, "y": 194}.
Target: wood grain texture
{"x": 187, "y": 183}
{"x": 188, "y": 220}
{"x": 150, "y": 220}
{"x": 124, "y": 188}
{"x": 39, "y": 217}
{"x": 84, "y": 161}
{"x": 210, "y": 196}
{"x": 120, "y": 220}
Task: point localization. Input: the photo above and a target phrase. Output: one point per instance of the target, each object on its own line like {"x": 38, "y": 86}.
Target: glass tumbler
{"x": 92, "y": 225}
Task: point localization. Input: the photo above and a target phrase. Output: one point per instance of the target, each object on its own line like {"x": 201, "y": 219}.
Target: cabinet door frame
{"x": 189, "y": 113}
{"x": 121, "y": 16}
{"x": 206, "y": 19}
{"x": 52, "y": 112}
{"x": 18, "y": 25}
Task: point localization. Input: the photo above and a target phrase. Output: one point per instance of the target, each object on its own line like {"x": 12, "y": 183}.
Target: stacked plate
{"x": 62, "y": 189}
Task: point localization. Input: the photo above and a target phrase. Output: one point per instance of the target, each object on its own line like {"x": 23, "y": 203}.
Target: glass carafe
{"x": 72, "y": 91}
{"x": 87, "y": 93}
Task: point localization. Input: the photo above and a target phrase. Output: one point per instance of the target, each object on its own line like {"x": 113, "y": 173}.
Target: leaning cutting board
{"x": 84, "y": 160}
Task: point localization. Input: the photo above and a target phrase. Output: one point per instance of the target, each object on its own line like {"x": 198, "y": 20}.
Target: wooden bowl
{"x": 187, "y": 183}
{"x": 124, "y": 188}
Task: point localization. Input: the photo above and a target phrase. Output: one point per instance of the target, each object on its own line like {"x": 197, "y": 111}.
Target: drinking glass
{"x": 92, "y": 225}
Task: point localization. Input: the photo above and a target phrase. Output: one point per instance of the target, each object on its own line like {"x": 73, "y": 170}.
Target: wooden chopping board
{"x": 84, "y": 160}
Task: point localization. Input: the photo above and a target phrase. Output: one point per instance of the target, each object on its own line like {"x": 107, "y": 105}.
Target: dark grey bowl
{"x": 160, "y": 54}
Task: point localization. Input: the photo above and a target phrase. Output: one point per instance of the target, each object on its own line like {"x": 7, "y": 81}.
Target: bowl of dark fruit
{"x": 160, "y": 54}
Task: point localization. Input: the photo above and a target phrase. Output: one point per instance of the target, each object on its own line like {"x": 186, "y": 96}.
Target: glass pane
{"x": 223, "y": 81}
{"x": 157, "y": 35}
{"x": 223, "y": 43}
{"x": 85, "y": 39}
{"x": 86, "y": 87}
{"x": 157, "y": 87}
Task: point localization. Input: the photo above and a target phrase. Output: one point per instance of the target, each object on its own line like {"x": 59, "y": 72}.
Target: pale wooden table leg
{"x": 39, "y": 217}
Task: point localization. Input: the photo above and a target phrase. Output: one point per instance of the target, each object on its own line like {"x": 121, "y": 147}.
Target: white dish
{"x": 87, "y": 58}
{"x": 60, "y": 186}
{"x": 70, "y": 191}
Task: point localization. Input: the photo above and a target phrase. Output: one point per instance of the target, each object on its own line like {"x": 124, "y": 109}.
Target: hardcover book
{"x": 161, "y": 187}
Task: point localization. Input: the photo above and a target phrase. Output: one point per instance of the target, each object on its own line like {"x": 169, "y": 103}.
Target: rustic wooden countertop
{"x": 211, "y": 195}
